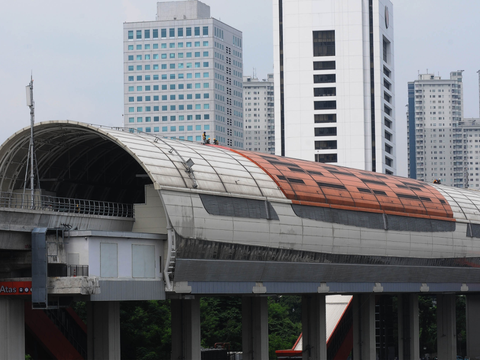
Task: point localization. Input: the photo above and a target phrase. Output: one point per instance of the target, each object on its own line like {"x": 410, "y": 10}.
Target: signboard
{"x": 15, "y": 288}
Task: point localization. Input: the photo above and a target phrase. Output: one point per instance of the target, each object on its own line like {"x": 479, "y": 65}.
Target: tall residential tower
{"x": 183, "y": 75}
{"x": 258, "y": 110}
{"x": 436, "y": 147}
{"x": 334, "y": 82}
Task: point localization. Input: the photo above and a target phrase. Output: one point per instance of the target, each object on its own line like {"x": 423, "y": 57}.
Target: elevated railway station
{"x": 122, "y": 215}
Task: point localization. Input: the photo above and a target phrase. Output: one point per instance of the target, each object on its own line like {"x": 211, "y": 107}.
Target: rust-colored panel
{"x": 317, "y": 184}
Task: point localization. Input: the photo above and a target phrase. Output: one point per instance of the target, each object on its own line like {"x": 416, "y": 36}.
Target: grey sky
{"x": 75, "y": 52}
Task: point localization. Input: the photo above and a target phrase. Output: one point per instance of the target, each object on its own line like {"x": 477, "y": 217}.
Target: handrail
{"x": 65, "y": 205}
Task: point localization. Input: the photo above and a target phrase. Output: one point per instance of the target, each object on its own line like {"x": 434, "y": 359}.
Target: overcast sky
{"x": 74, "y": 50}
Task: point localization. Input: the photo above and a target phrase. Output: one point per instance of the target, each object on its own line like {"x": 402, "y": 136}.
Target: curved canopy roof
{"x": 113, "y": 164}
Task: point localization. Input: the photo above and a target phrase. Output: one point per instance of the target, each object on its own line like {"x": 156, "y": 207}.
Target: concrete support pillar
{"x": 314, "y": 327}
{"x": 408, "y": 328}
{"x": 12, "y": 329}
{"x": 446, "y": 327}
{"x": 103, "y": 338}
{"x": 255, "y": 328}
{"x": 364, "y": 327}
{"x": 186, "y": 329}
{"x": 473, "y": 327}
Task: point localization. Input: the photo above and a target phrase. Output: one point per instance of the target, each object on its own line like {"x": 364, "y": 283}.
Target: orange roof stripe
{"x": 318, "y": 184}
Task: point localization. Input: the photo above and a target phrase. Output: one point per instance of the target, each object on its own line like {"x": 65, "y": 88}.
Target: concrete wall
{"x": 150, "y": 217}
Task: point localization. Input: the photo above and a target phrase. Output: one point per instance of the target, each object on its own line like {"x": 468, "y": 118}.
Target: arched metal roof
{"x": 81, "y": 160}
{"x": 71, "y": 155}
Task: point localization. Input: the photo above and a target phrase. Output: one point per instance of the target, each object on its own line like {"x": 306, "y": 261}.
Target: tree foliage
{"x": 221, "y": 319}
{"x": 284, "y": 322}
{"x": 145, "y": 330}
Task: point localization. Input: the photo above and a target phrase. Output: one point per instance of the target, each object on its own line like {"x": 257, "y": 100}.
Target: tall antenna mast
{"x": 31, "y": 105}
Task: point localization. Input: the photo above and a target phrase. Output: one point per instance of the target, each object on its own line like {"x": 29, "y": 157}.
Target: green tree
{"x": 145, "y": 330}
{"x": 284, "y": 322}
{"x": 221, "y": 319}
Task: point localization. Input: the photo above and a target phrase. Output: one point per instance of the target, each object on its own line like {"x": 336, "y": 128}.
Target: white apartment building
{"x": 183, "y": 75}
{"x": 334, "y": 82}
{"x": 471, "y": 141}
{"x": 437, "y": 150}
{"x": 258, "y": 113}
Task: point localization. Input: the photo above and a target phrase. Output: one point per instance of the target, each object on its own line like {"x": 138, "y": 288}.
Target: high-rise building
{"x": 258, "y": 113}
{"x": 435, "y": 130}
{"x": 471, "y": 143}
{"x": 183, "y": 75}
{"x": 334, "y": 82}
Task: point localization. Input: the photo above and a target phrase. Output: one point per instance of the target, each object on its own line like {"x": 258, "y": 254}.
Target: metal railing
{"x": 19, "y": 200}
{"x": 77, "y": 270}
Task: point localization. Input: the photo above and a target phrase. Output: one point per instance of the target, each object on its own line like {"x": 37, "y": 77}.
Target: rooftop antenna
{"x": 31, "y": 152}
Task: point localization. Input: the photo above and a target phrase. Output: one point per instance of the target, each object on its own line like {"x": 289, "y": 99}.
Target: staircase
{"x": 61, "y": 332}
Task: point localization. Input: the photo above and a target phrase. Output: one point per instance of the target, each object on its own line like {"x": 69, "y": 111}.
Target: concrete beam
{"x": 408, "y": 327}
{"x": 103, "y": 338}
{"x": 446, "y": 327}
{"x": 473, "y": 326}
{"x": 15, "y": 240}
{"x": 186, "y": 329}
{"x": 255, "y": 328}
{"x": 364, "y": 327}
{"x": 83, "y": 285}
{"x": 12, "y": 329}
{"x": 314, "y": 327}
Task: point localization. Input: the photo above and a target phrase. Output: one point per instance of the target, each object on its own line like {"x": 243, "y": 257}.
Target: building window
{"x": 330, "y": 91}
{"x": 155, "y": 33}
{"x": 324, "y": 43}
{"x": 205, "y": 31}
{"x": 189, "y": 31}
{"x": 130, "y": 34}
{"x": 386, "y": 50}
{"x": 197, "y": 30}
{"x": 139, "y": 34}
{"x": 326, "y": 145}
{"x": 325, "y": 158}
{"x": 386, "y": 71}
{"x": 325, "y": 105}
{"x": 146, "y": 34}
{"x": 327, "y": 131}
{"x": 388, "y": 123}
{"x": 388, "y": 161}
{"x": 108, "y": 260}
{"x": 171, "y": 32}
{"x": 323, "y": 65}
{"x": 387, "y": 97}
{"x": 325, "y": 78}
{"x": 180, "y": 32}
{"x": 387, "y": 110}
{"x": 164, "y": 33}
{"x": 387, "y": 84}
{"x": 388, "y": 149}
